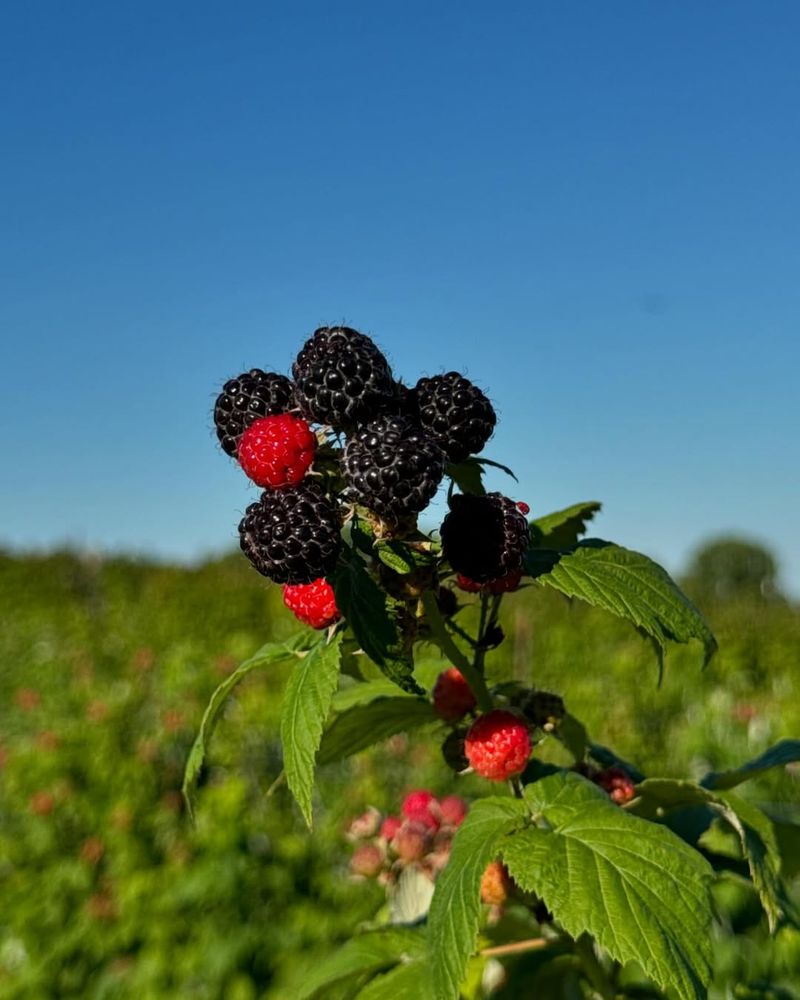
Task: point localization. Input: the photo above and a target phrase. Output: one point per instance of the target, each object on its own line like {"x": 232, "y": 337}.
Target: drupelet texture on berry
{"x": 392, "y": 467}
{"x": 454, "y": 412}
{"x": 277, "y": 451}
{"x": 291, "y": 535}
{"x": 496, "y": 884}
{"x": 244, "y": 399}
{"x": 484, "y": 537}
{"x": 342, "y": 379}
{"x": 452, "y": 696}
{"x": 498, "y": 745}
{"x": 312, "y": 603}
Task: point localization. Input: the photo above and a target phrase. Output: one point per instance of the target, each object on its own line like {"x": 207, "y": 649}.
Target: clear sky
{"x": 592, "y": 209}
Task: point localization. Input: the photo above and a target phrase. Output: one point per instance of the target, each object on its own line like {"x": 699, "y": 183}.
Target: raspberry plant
{"x": 607, "y": 867}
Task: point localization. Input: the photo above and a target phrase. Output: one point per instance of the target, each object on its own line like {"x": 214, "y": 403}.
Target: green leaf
{"x": 497, "y": 465}
{"x": 369, "y": 613}
{"x": 402, "y": 557}
{"x": 357, "y": 694}
{"x": 787, "y": 837}
{"x": 455, "y": 911}
{"x": 364, "y": 725}
{"x": 306, "y": 703}
{"x": 785, "y": 752}
{"x": 409, "y": 979}
{"x": 633, "y": 587}
{"x": 269, "y": 654}
{"x": 563, "y": 528}
{"x": 760, "y": 849}
{"x": 572, "y": 733}
{"x": 374, "y": 950}
{"x": 753, "y": 828}
{"x": 634, "y": 886}
{"x": 467, "y": 475}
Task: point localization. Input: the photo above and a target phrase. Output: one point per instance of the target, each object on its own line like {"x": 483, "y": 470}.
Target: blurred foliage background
{"x": 106, "y": 667}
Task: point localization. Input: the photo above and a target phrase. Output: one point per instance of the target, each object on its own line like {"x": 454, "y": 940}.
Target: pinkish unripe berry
{"x": 412, "y": 840}
{"x": 453, "y": 810}
{"x": 367, "y": 860}
{"x": 390, "y": 826}
{"x": 365, "y": 825}
{"x": 422, "y": 807}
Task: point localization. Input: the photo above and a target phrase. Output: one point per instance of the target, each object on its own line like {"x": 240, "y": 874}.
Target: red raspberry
{"x": 313, "y": 603}
{"x": 367, "y": 860}
{"x": 453, "y": 809}
{"x": 390, "y": 826}
{"x": 498, "y": 745}
{"x": 617, "y": 783}
{"x": 277, "y": 451}
{"x": 452, "y": 696}
{"x": 500, "y": 584}
{"x": 422, "y": 807}
{"x": 496, "y": 884}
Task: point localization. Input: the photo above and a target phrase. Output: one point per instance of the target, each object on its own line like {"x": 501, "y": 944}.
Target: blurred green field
{"x": 106, "y": 667}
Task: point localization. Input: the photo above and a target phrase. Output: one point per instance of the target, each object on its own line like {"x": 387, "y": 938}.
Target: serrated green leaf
{"x": 369, "y": 614}
{"x": 467, "y": 475}
{"x": 629, "y": 585}
{"x": 456, "y": 907}
{"x": 563, "y": 528}
{"x": 269, "y": 654}
{"x": 785, "y": 752}
{"x": 760, "y": 849}
{"x": 364, "y": 725}
{"x": 753, "y": 828}
{"x": 409, "y": 979}
{"x": 374, "y": 950}
{"x": 634, "y": 886}
{"x": 306, "y": 703}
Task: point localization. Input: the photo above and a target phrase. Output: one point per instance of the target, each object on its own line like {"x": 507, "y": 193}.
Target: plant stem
{"x": 471, "y": 672}
{"x": 516, "y": 947}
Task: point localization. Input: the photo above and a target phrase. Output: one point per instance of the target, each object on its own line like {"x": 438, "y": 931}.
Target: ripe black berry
{"x": 291, "y": 535}
{"x": 392, "y": 467}
{"x": 455, "y": 413}
{"x": 484, "y": 537}
{"x": 244, "y": 399}
{"x": 342, "y": 378}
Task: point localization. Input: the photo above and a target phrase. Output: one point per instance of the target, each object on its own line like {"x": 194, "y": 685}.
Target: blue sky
{"x": 591, "y": 209}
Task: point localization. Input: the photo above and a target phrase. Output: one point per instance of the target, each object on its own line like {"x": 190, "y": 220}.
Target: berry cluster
{"x": 379, "y": 445}
{"x": 420, "y": 837}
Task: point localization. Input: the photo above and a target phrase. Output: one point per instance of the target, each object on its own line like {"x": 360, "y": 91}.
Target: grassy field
{"x": 109, "y": 892}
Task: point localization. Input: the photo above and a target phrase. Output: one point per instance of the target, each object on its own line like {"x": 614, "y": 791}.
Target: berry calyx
{"x": 452, "y": 696}
{"x": 277, "y": 451}
{"x": 498, "y": 745}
